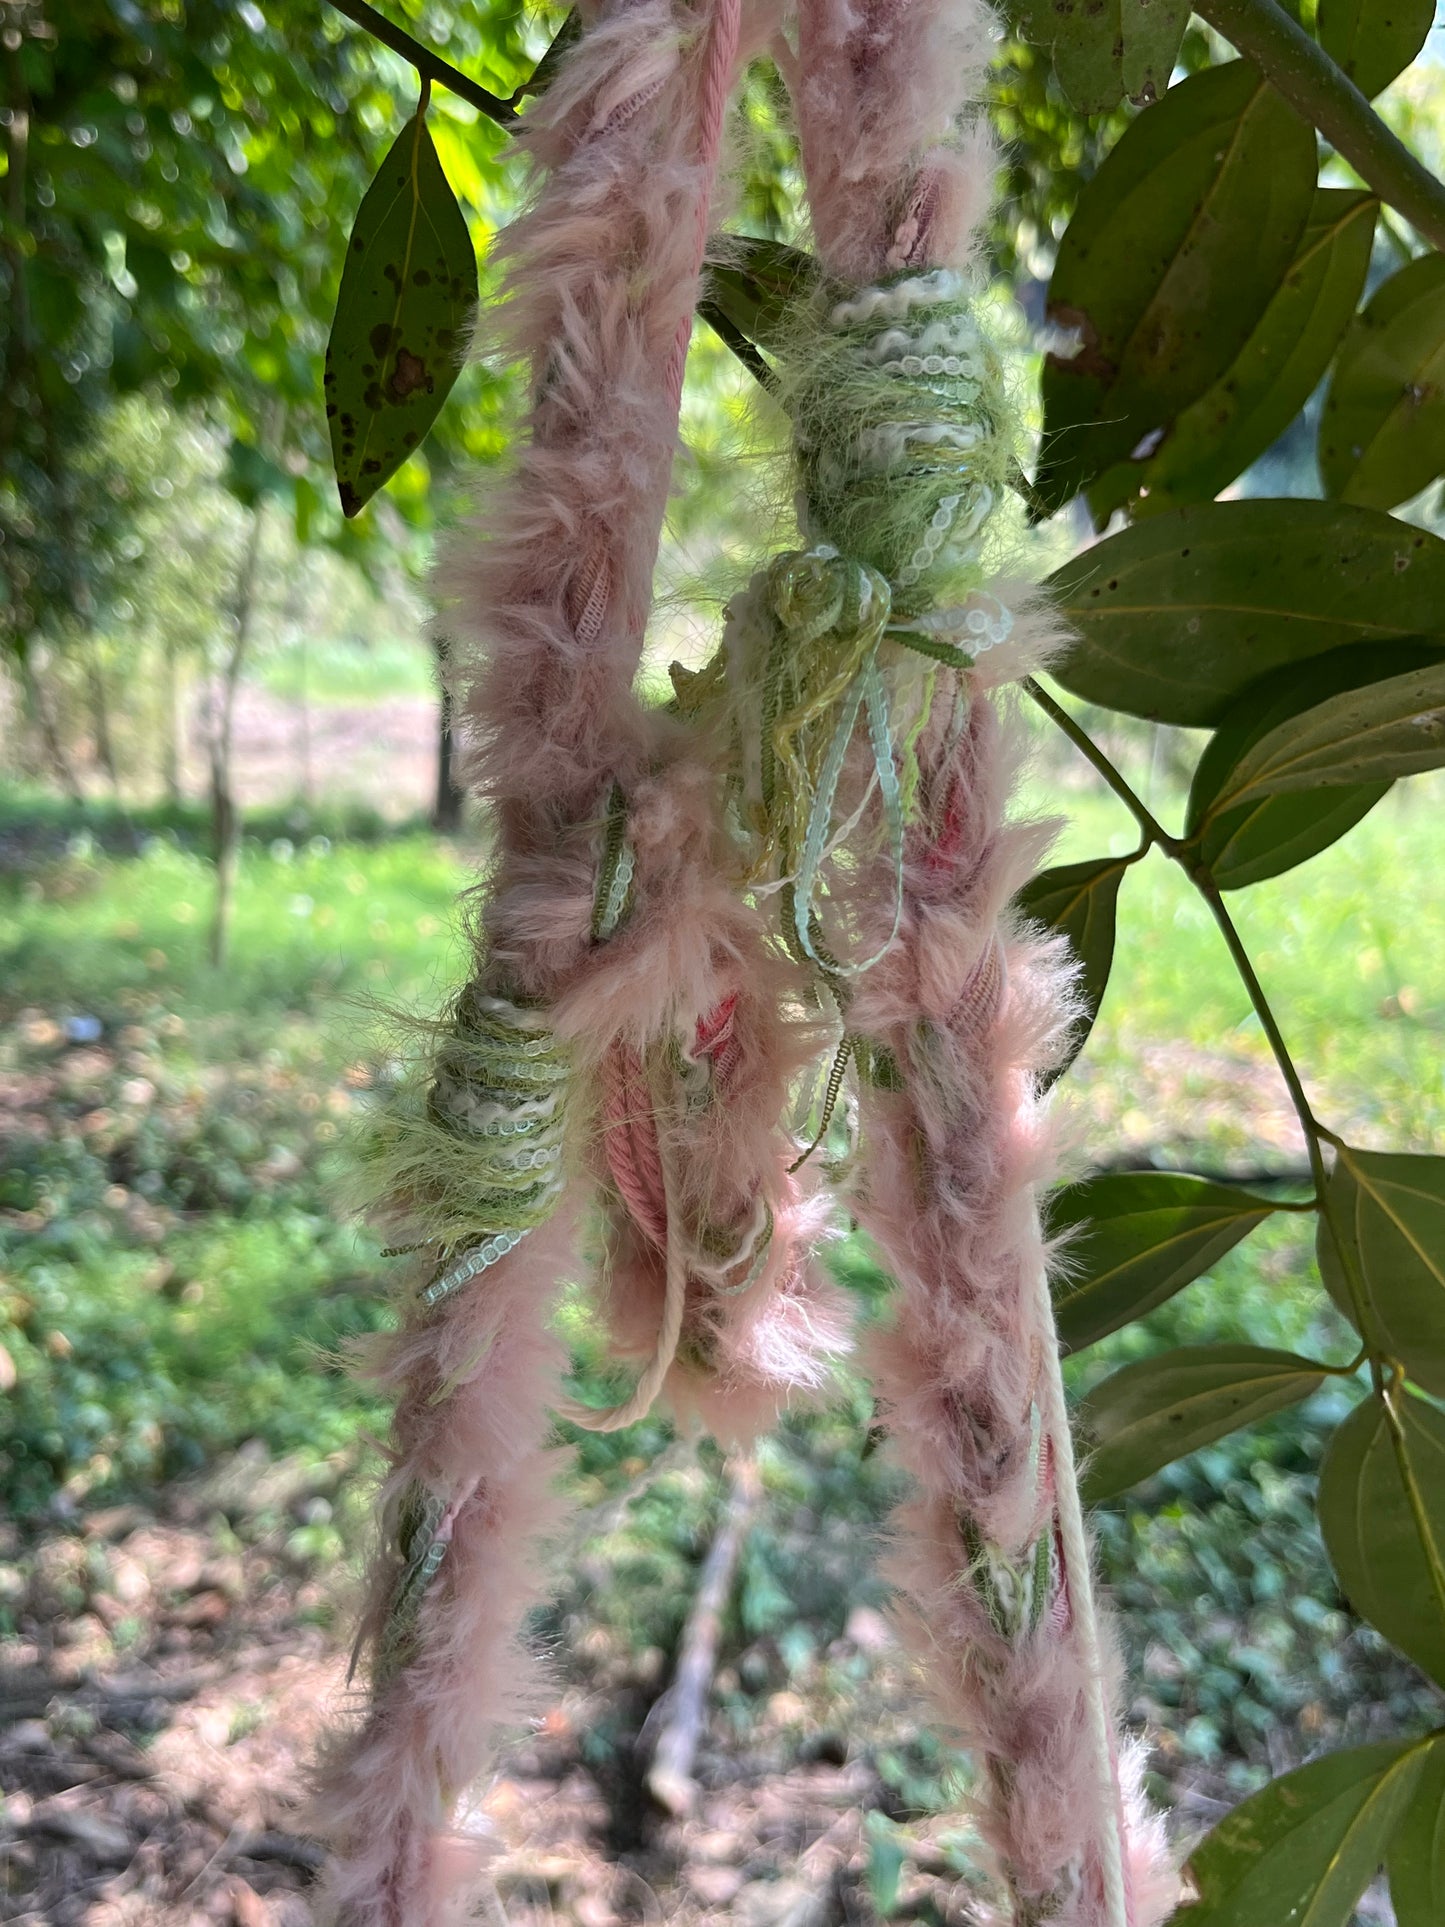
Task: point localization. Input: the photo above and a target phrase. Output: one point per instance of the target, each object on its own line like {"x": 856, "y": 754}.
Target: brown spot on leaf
{"x": 409, "y": 374}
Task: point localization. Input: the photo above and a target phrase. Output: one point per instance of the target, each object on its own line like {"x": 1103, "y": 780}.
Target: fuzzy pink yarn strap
{"x": 717, "y": 79}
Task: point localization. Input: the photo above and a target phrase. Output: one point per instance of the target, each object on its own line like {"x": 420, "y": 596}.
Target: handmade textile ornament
{"x": 696, "y": 908}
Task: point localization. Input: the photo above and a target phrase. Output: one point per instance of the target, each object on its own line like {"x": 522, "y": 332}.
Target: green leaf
{"x": 407, "y": 294}
{"x": 1174, "y": 252}
{"x": 1274, "y": 374}
{"x": 1080, "y": 901}
{"x": 1161, "y": 1408}
{"x": 1382, "y": 1513}
{"x": 1373, "y": 40}
{"x": 760, "y": 286}
{"x": 1417, "y": 1852}
{"x": 1277, "y": 833}
{"x": 1178, "y": 615}
{"x": 1301, "y": 1851}
{"x": 1382, "y": 428}
{"x": 1139, "y": 1237}
{"x": 1390, "y": 1207}
{"x": 1104, "y": 50}
{"x": 1382, "y": 716}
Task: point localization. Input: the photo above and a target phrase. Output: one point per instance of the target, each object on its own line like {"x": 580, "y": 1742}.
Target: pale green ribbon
{"x": 831, "y": 616}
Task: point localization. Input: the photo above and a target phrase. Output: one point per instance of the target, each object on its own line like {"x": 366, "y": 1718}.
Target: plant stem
{"x": 1153, "y": 830}
{"x": 1183, "y": 853}
{"x": 1299, "y": 69}
{"x": 431, "y": 66}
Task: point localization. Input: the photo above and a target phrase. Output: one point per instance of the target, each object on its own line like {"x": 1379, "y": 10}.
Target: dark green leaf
{"x": 1382, "y": 428}
{"x": 1139, "y": 1237}
{"x": 1104, "y": 50}
{"x": 1366, "y": 714}
{"x": 1267, "y": 837}
{"x": 1373, "y": 40}
{"x": 1382, "y": 1513}
{"x": 760, "y": 286}
{"x": 1390, "y": 1208}
{"x": 1300, "y": 1852}
{"x": 1271, "y": 378}
{"x": 1174, "y": 252}
{"x": 1177, "y": 616}
{"x": 407, "y": 294}
{"x": 1079, "y": 900}
{"x": 1162, "y": 1408}
{"x": 1417, "y": 1852}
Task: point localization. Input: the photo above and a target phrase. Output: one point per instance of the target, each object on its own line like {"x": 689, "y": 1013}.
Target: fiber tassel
{"x": 613, "y": 931}
{"x": 952, "y": 1025}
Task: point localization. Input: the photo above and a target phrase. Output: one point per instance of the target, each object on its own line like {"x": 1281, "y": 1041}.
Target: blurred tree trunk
{"x": 225, "y": 815}
{"x": 171, "y": 726}
{"x": 447, "y": 809}
{"x": 99, "y": 704}
{"x": 38, "y": 704}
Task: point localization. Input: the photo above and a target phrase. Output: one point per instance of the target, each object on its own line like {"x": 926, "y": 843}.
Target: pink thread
{"x": 630, "y": 1138}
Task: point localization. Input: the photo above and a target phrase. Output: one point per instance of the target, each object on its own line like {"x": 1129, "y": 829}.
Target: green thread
{"x": 614, "y": 881}
{"x": 830, "y": 1097}
{"x": 421, "y": 1552}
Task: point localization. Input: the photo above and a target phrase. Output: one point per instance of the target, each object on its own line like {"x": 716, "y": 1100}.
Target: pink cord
{"x": 630, "y": 1138}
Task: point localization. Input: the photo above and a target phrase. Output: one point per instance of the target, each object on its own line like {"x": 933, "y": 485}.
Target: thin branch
{"x": 1180, "y": 852}
{"x": 1299, "y": 69}
{"x": 1153, "y": 830}
{"x": 431, "y": 66}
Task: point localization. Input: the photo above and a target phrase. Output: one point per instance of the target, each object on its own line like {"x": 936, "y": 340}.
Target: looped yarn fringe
{"x": 805, "y": 853}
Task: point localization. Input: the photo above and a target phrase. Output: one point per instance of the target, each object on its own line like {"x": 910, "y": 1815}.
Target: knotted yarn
{"x": 904, "y": 435}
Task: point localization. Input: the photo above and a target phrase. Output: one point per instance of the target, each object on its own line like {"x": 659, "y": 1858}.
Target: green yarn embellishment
{"x": 469, "y": 1153}
{"x": 422, "y": 1554}
{"x": 904, "y": 433}
{"x": 829, "y": 617}
{"x": 614, "y": 882}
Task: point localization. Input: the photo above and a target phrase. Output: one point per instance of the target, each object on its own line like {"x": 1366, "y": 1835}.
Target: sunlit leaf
{"x": 1382, "y": 428}
{"x": 1176, "y": 247}
{"x": 1105, "y": 50}
{"x": 1179, "y": 615}
{"x": 1302, "y": 1850}
{"x": 1159, "y": 1409}
{"x": 1276, "y": 833}
{"x": 1274, "y": 374}
{"x": 1382, "y": 1513}
{"x": 1080, "y": 900}
{"x": 1138, "y": 1237}
{"x": 407, "y": 294}
{"x": 1390, "y": 1209}
{"x": 1381, "y": 715}
{"x": 1417, "y": 1851}
{"x": 1373, "y": 40}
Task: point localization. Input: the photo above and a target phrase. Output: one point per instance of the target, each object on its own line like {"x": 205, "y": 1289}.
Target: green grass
{"x": 1351, "y": 951}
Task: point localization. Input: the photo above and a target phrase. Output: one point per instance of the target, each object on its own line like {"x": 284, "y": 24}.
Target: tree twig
{"x": 669, "y": 1779}
{"x": 1298, "y": 68}
{"x": 430, "y": 65}
{"x": 1186, "y": 856}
